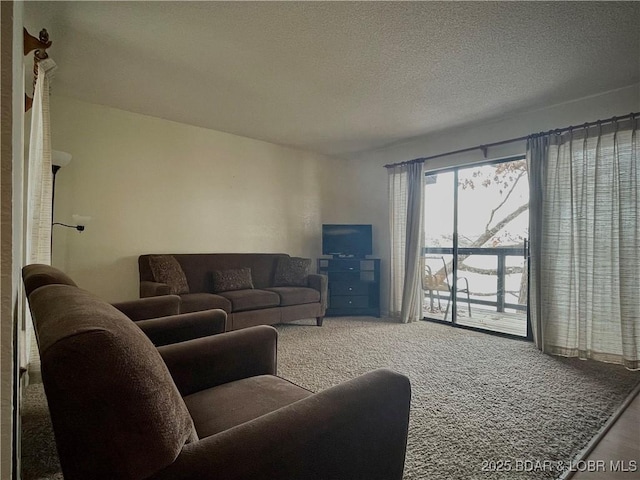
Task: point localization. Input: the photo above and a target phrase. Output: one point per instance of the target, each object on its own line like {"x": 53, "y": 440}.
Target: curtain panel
{"x": 406, "y": 211}
{"x": 39, "y": 194}
{"x": 40, "y": 177}
{"x": 585, "y": 243}
{"x": 537, "y": 151}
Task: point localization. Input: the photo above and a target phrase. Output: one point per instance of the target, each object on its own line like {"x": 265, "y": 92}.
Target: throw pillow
{"x": 292, "y": 272}
{"x": 166, "y": 269}
{"x": 234, "y": 279}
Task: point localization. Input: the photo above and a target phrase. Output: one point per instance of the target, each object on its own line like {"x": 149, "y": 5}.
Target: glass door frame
{"x": 456, "y": 249}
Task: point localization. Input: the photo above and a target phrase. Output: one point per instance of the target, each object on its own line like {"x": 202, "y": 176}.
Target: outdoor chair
{"x": 436, "y": 279}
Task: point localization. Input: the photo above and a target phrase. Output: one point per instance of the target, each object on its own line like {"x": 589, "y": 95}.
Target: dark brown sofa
{"x": 158, "y": 317}
{"x": 204, "y": 409}
{"x": 267, "y": 302}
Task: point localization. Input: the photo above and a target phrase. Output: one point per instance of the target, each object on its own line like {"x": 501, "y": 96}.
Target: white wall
{"x": 155, "y": 186}
{"x": 369, "y": 178}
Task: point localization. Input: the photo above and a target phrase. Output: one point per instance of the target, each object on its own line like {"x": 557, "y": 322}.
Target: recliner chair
{"x": 158, "y": 317}
{"x": 209, "y": 408}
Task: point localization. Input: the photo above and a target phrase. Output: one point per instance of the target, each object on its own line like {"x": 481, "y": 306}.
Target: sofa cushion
{"x": 232, "y": 279}
{"x": 292, "y": 271}
{"x": 166, "y": 269}
{"x": 295, "y": 295}
{"x": 194, "y": 302}
{"x": 220, "y": 408}
{"x": 251, "y": 299}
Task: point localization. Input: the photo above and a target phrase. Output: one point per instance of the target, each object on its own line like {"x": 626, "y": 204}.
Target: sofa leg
{"x": 319, "y": 321}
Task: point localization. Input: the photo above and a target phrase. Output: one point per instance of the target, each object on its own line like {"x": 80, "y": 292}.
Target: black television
{"x": 347, "y": 240}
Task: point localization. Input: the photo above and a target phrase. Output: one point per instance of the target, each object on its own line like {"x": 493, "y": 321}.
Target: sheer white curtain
{"x": 585, "y": 243}
{"x": 406, "y": 199}
{"x": 40, "y": 178}
{"x": 39, "y": 191}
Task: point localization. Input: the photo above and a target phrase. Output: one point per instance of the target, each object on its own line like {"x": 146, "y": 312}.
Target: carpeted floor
{"x": 476, "y": 398}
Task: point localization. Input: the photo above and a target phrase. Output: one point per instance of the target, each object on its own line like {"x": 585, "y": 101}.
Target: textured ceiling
{"x": 337, "y": 77}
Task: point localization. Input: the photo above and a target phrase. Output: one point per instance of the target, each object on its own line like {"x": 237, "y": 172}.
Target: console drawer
{"x": 357, "y": 301}
{"x": 344, "y": 265}
{"x": 350, "y": 288}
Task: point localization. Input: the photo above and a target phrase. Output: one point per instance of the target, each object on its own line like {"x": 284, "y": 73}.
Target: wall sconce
{"x": 79, "y": 220}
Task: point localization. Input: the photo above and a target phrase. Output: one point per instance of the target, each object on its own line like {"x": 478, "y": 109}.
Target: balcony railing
{"x": 501, "y": 270}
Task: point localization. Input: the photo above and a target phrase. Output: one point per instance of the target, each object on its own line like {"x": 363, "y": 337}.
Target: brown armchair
{"x": 209, "y": 408}
{"x": 158, "y": 317}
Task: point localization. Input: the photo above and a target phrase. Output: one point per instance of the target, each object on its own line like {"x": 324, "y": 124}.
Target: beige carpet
{"x": 476, "y": 398}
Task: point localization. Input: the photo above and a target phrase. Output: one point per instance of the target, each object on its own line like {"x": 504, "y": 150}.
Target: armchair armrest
{"x": 210, "y": 361}
{"x": 354, "y": 431}
{"x": 152, "y": 289}
{"x": 319, "y": 282}
{"x": 183, "y": 327}
{"x": 151, "y": 307}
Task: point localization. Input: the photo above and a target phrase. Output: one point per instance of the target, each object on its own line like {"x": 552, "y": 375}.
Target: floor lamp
{"x": 58, "y": 160}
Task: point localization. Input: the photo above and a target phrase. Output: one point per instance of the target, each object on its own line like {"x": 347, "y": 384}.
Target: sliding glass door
{"x": 439, "y": 235}
{"x": 475, "y": 256}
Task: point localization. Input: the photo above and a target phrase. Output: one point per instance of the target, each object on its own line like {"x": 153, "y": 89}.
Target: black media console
{"x": 354, "y": 285}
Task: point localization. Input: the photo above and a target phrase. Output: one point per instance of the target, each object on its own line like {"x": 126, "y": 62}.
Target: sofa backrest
{"x": 38, "y": 274}
{"x": 198, "y": 267}
{"x": 115, "y": 409}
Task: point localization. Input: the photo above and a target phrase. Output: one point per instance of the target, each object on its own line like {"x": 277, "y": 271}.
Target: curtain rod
{"x": 485, "y": 147}
{"x": 40, "y": 46}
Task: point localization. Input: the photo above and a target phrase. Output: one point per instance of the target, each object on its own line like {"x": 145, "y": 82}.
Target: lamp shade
{"x": 60, "y": 159}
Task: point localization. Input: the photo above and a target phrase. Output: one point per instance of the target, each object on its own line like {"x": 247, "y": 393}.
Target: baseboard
{"x": 586, "y": 451}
